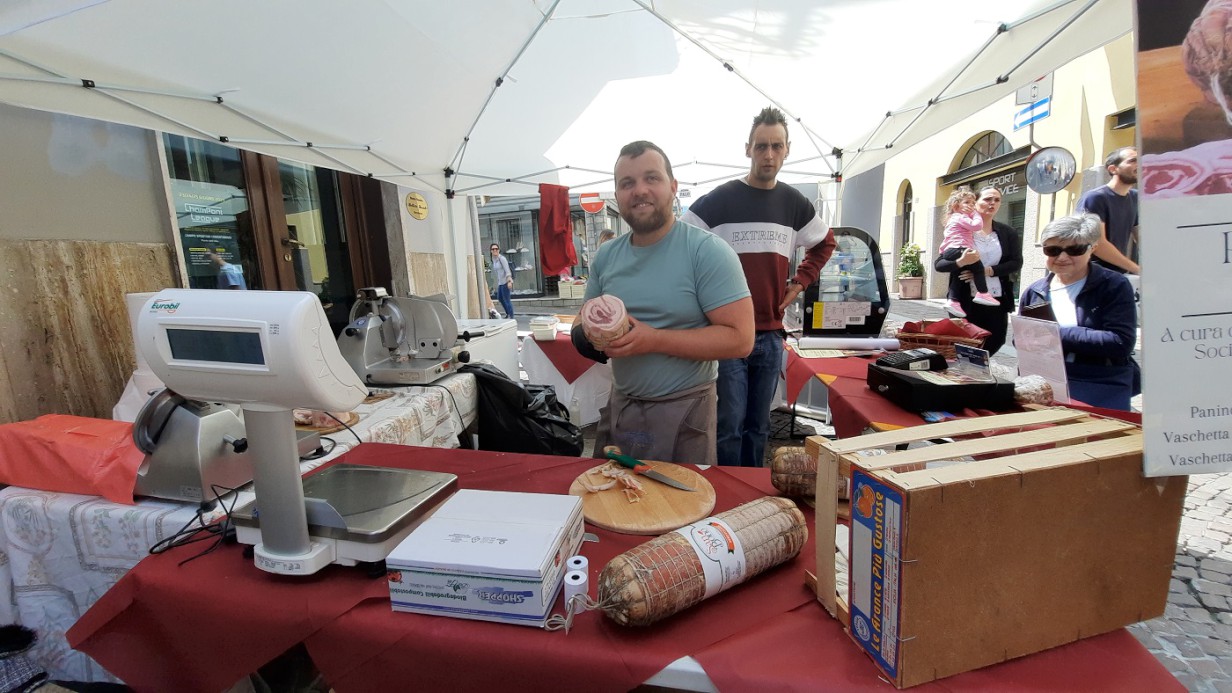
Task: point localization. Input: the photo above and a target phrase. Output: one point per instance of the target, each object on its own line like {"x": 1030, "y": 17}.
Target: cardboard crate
{"x": 572, "y": 290}
{"x": 1052, "y": 535}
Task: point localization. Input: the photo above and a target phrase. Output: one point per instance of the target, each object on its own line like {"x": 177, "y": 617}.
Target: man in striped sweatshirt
{"x": 764, "y": 221}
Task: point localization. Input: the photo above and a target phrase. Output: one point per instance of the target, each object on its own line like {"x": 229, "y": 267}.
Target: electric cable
{"x": 218, "y": 530}
{"x": 344, "y": 424}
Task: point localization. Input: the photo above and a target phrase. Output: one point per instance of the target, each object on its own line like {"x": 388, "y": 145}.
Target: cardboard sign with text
{"x": 1185, "y": 226}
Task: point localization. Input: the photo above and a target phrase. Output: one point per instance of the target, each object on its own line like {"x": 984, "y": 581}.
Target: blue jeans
{"x": 503, "y": 295}
{"x": 745, "y": 388}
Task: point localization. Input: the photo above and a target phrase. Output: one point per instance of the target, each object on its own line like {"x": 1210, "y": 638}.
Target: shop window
{"x": 283, "y": 223}
{"x": 990, "y": 146}
{"x": 517, "y": 234}
{"x": 211, "y": 209}
{"x": 317, "y": 238}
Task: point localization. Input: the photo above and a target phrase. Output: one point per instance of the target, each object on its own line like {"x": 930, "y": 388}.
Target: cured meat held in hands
{"x": 604, "y": 319}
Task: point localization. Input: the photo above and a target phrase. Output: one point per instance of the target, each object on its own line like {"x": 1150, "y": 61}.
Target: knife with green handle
{"x": 645, "y": 470}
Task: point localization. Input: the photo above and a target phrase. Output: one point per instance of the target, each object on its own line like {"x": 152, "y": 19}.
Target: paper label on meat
{"x": 720, "y": 552}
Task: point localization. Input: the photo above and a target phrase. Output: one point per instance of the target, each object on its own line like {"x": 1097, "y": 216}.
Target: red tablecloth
{"x": 565, "y": 357}
{"x": 853, "y": 407}
{"x": 205, "y": 624}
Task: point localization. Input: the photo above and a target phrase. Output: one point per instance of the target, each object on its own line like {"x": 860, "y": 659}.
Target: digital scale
{"x": 366, "y": 511}
{"x": 271, "y": 352}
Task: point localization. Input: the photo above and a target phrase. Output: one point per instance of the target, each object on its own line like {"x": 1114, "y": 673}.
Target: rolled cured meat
{"x": 1205, "y": 169}
{"x": 794, "y": 473}
{"x": 675, "y": 571}
{"x": 604, "y": 319}
{"x": 1172, "y": 174}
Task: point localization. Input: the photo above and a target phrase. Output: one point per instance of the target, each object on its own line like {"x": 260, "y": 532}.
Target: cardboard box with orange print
{"x": 1021, "y": 532}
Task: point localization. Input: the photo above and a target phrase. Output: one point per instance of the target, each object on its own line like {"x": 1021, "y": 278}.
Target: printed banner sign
{"x": 1185, "y": 222}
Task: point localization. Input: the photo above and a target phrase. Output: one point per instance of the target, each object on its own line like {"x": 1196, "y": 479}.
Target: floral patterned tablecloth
{"x": 59, "y": 552}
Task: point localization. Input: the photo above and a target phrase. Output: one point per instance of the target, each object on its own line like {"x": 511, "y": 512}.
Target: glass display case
{"x": 850, "y": 296}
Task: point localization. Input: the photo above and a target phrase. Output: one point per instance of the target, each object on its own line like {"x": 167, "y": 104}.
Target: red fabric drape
{"x": 555, "y": 229}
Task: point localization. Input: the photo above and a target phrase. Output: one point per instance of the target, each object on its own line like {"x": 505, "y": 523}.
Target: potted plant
{"x": 910, "y": 272}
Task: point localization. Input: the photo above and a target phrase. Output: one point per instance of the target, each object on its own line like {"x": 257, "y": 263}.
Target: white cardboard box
{"x": 488, "y": 555}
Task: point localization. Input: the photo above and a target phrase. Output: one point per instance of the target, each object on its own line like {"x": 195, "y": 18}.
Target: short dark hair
{"x": 494, "y": 245}
{"x": 1116, "y": 157}
{"x": 768, "y": 116}
{"x": 640, "y": 147}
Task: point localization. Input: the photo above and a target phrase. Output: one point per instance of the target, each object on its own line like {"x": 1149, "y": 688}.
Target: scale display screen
{"x": 215, "y": 346}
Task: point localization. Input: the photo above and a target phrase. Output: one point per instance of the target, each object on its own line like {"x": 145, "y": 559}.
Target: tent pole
{"x": 481, "y": 282}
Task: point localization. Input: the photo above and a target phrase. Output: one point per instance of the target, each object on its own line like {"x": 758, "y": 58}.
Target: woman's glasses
{"x": 1070, "y": 250}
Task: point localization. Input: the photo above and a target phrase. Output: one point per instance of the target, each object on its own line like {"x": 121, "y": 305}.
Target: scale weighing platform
{"x": 364, "y": 512}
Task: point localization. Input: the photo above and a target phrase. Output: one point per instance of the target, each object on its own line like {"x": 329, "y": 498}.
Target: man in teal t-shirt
{"x": 689, "y": 306}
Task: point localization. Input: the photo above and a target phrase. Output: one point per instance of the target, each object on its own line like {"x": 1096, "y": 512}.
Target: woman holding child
{"x": 996, "y": 253}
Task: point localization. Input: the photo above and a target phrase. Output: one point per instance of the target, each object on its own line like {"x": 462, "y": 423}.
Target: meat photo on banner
{"x": 1185, "y": 222}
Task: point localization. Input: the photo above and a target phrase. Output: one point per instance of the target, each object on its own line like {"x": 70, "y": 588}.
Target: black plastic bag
{"x": 513, "y": 418}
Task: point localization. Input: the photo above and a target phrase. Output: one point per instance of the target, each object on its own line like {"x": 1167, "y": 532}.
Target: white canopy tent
{"x": 496, "y": 96}
{"x": 1017, "y": 54}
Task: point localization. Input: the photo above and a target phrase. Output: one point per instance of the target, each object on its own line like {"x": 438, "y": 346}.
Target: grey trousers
{"x": 678, "y": 428}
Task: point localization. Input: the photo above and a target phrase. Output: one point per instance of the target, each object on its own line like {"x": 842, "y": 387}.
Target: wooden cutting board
{"x": 350, "y": 419}
{"x": 662, "y": 508}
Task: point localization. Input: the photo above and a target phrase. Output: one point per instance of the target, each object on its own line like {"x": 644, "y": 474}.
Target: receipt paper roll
{"x": 858, "y": 343}
{"x": 577, "y": 563}
{"x": 575, "y": 583}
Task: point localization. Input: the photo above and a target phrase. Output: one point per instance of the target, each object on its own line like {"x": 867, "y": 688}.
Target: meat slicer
{"x": 402, "y": 341}
{"x": 195, "y": 451}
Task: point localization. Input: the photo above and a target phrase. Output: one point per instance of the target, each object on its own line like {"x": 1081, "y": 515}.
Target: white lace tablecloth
{"x": 59, "y": 552}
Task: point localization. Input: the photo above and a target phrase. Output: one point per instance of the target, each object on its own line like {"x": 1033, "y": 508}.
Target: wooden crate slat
{"x": 950, "y": 429}
{"x": 993, "y": 444}
{"x": 1019, "y": 464}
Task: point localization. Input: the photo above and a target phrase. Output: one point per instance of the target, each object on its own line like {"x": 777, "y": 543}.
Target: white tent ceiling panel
{"x": 1026, "y": 52}
{"x": 415, "y": 80}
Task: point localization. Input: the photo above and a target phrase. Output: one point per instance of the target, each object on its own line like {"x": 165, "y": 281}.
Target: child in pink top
{"x": 960, "y": 230}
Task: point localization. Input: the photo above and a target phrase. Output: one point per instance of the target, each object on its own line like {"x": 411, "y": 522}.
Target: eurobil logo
{"x": 164, "y": 306}
{"x": 499, "y": 595}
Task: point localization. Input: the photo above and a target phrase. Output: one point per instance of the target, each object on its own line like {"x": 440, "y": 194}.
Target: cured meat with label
{"x": 665, "y": 575}
{"x": 604, "y": 319}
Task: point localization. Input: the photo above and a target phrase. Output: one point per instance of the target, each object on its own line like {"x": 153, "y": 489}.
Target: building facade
{"x": 96, "y": 210}
{"x": 1092, "y": 113}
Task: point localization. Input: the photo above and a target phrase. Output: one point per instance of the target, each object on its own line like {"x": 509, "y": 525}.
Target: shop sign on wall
{"x": 1008, "y": 183}
{"x": 1185, "y": 225}
{"x": 417, "y": 206}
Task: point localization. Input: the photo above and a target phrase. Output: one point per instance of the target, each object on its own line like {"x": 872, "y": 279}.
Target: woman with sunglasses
{"x": 1095, "y": 309}
{"x": 998, "y": 248}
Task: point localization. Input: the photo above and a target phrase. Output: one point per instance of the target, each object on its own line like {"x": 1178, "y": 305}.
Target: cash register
{"x": 270, "y": 352}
